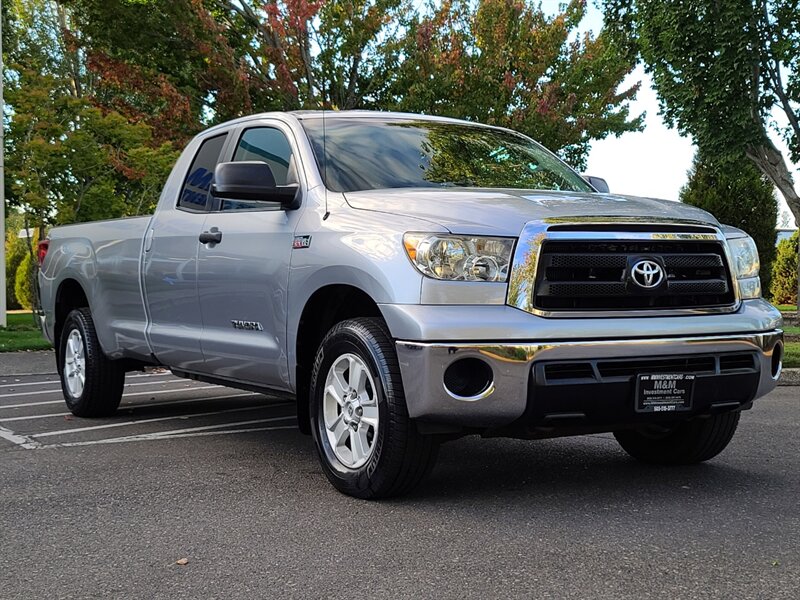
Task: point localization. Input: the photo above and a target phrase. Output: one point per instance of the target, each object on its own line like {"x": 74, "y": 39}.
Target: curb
{"x": 39, "y": 362}
{"x": 790, "y": 377}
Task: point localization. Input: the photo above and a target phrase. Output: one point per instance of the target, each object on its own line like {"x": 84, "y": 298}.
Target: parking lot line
{"x": 154, "y": 420}
{"x": 57, "y": 390}
{"x": 189, "y": 389}
{"x": 131, "y": 406}
{"x": 158, "y": 435}
{"x": 55, "y": 379}
{"x": 19, "y": 440}
{"x": 145, "y": 438}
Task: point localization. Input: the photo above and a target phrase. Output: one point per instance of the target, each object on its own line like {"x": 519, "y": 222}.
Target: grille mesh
{"x": 596, "y": 275}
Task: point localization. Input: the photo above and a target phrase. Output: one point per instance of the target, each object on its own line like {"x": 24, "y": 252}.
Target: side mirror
{"x": 253, "y": 181}
{"x": 597, "y": 183}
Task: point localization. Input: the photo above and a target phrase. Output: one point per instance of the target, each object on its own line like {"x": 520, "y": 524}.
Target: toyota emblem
{"x": 647, "y": 274}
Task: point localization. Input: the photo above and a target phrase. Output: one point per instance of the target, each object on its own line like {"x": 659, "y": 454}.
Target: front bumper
{"x": 521, "y": 391}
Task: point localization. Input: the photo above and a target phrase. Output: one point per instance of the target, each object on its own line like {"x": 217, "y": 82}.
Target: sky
{"x": 653, "y": 162}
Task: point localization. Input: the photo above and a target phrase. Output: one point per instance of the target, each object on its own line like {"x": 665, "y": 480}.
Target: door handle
{"x": 211, "y": 237}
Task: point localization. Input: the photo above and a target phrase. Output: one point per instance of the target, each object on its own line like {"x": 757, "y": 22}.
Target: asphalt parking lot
{"x": 223, "y": 479}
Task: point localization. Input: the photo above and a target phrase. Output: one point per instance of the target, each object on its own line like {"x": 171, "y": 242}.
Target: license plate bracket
{"x": 664, "y": 392}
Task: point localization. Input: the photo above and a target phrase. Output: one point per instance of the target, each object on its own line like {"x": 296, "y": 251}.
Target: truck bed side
{"x": 103, "y": 258}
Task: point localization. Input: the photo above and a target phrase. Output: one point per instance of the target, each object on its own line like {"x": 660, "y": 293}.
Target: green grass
{"x": 791, "y": 355}
{"x": 22, "y": 333}
{"x": 786, "y": 307}
{"x": 792, "y": 329}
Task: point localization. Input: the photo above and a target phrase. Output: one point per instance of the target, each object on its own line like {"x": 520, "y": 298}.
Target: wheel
{"x": 92, "y": 384}
{"x": 366, "y": 442}
{"x": 691, "y": 442}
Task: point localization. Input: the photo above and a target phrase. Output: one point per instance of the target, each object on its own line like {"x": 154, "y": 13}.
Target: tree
{"x": 497, "y": 61}
{"x": 68, "y": 160}
{"x": 737, "y": 194}
{"x": 507, "y": 63}
{"x": 721, "y": 69}
{"x": 783, "y": 288}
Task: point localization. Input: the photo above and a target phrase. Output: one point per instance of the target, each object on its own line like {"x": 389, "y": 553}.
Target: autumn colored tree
{"x": 506, "y": 62}
{"x": 497, "y": 61}
{"x": 68, "y": 160}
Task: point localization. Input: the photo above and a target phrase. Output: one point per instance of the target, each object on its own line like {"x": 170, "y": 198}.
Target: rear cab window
{"x": 195, "y": 192}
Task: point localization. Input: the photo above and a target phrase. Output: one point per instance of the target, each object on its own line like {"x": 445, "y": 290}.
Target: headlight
{"x": 745, "y": 266}
{"x": 459, "y": 258}
{"x": 745, "y": 257}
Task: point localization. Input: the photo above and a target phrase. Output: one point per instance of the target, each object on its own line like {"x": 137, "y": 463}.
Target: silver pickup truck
{"x": 410, "y": 280}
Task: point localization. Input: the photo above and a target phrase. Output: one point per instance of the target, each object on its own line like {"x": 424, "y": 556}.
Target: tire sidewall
{"x": 74, "y": 321}
{"x": 348, "y": 340}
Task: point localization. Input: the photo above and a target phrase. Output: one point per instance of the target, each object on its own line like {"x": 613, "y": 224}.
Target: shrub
{"x": 783, "y": 288}
{"x": 736, "y": 194}
{"x": 24, "y": 288}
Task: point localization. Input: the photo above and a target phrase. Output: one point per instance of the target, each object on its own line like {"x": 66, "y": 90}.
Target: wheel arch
{"x": 70, "y": 295}
{"x": 327, "y": 306}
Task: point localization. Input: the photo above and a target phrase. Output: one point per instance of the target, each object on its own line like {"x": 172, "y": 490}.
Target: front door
{"x": 170, "y": 263}
{"x": 243, "y": 277}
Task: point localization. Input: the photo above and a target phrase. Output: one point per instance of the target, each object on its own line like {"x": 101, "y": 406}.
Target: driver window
{"x": 269, "y": 145}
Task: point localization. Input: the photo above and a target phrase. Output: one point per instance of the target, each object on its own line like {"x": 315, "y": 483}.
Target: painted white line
{"x": 29, "y": 383}
{"x": 55, "y": 380}
{"x": 135, "y": 438}
{"x": 151, "y": 393}
{"x": 154, "y": 420}
{"x": 125, "y": 407}
{"x": 165, "y": 434}
{"x": 188, "y": 384}
{"x": 19, "y": 440}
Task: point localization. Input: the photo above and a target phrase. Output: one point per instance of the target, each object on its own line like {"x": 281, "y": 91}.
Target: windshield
{"x": 371, "y": 154}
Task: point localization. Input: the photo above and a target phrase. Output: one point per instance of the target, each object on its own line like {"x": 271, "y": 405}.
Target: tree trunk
{"x": 770, "y": 162}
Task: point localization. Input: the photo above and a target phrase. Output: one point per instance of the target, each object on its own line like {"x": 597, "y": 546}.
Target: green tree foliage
{"x": 505, "y": 62}
{"x": 497, "y": 61}
{"x": 737, "y": 194}
{"x": 783, "y": 289}
{"x": 720, "y": 70}
{"x": 68, "y": 160}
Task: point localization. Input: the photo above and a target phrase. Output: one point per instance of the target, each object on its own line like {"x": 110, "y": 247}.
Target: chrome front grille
{"x": 591, "y": 275}
{"x": 586, "y": 269}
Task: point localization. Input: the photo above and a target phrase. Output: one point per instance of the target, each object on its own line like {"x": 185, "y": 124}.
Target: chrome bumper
{"x": 422, "y": 366}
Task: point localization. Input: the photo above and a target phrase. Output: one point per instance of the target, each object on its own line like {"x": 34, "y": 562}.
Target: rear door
{"x": 242, "y": 280}
{"x": 170, "y": 263}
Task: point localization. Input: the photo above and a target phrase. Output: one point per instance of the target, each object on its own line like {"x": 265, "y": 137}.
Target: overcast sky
{"x": 653, "y": 162}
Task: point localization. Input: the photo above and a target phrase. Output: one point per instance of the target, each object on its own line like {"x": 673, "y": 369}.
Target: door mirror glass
{"x": 597, "y": 183}
{"x": 252, "y": 181}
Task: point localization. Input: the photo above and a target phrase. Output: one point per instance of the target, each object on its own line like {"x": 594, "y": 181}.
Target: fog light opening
{"x": 777, "y": 360}
{"x": 469, "y": 379}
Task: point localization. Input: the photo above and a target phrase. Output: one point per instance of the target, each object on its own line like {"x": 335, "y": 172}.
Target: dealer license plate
{"x": 664, "y": 392}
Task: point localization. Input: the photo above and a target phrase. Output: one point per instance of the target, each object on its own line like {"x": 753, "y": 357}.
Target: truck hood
{"x": 504, "y": 212}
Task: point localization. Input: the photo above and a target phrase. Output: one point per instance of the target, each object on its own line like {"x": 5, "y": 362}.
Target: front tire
{"x": 367, "y": 444}
{"x": 91, "y": 382}
{"x": 691, "y": 442}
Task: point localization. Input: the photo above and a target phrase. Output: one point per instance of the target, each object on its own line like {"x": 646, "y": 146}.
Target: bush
{"x": 736, "y": 194}
{"x": 16, "y": 249}
{"x": 783, "y": 288}
{"x": 24, "y": 288}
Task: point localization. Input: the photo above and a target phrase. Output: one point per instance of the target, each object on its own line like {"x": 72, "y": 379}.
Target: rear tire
{"x": 91, "y": 382}
{"x": 366, "y": 443}
{"x": 691, "y": 442}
